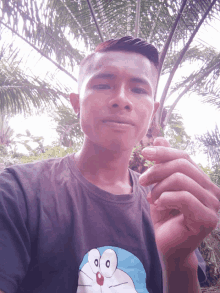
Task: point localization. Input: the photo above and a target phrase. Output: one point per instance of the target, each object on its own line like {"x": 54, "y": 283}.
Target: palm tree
{"x": 57, "y": 28}
{"x": 20, "y": 92}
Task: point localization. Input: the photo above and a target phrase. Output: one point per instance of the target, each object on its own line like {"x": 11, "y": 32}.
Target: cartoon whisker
{"x": 85, "y": 274}
{"x": 118, "y": 284}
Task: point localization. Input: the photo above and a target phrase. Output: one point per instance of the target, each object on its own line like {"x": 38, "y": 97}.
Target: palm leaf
{"x": 21, "y": 93}
{"x": 57, "y": 29}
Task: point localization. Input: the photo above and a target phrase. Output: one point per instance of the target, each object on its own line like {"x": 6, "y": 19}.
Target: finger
{"x": 196, "y": 215}
{"x": 161, "y": 154}
{"x": 159, "y": 172}
{"x": 165, "y": 154}
{"x": 181, "y": 182}
{"x": 161, "y": 141}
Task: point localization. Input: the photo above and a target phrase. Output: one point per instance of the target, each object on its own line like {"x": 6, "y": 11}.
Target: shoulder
{"x": 27, "y": 180}
{"x": 32, "y": 172}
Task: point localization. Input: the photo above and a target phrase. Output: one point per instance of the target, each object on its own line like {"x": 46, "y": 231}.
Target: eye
{"x": 138, "y": 90}
{"x": 101, "y": 86}
{"x": 108, "y": 263}
{"x": 96, "y": 262}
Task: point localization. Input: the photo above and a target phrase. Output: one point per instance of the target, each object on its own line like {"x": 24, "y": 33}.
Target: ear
{"x": 74, "y": 100}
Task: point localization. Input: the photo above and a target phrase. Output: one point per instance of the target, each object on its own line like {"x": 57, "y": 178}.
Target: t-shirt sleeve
{"x": 14, "y": 237}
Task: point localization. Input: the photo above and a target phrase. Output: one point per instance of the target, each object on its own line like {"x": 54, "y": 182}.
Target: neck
{"x": 103, "y": 166}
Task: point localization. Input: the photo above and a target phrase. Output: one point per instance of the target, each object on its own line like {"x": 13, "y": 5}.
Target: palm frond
{"x": 181, "y": 55}
{"x": 19, "y": 93}
{"x": 137, "y": 18}
{"x": 204, "y": 58}
{"x": 95, "y": 20}
{"x": 211, "y": 145}
{"x": 64, "y": 31}
{"x": 194, "y": 83}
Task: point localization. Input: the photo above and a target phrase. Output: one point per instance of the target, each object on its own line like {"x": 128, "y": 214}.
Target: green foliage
{"x": 29, "y": 138}
{"x": 21, "y": 93}
{"x": 210, "y": 144}
{"x": 176, "y": 135}
{"x": 42, "y": 152}
{"x": 68, "y": 126}
{"x": 5, "y": 130}
{"x": 56, "y": 151}
{"x": 8, "y": 157}
{"x": 137, "y": 161}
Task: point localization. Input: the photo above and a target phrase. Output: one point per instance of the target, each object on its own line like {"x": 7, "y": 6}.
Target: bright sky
{"x": 198, "y": 118}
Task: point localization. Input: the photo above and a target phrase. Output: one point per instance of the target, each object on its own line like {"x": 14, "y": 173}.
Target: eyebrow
{"x": 140, "y": 80}
{"x": 105, "y": 75}
{"x": 112, "y": 76}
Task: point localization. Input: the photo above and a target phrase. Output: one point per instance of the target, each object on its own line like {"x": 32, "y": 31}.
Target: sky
{"x": 198, "y": 117}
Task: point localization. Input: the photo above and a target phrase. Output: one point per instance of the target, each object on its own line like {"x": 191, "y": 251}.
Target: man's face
{"x": 119, "y": 88}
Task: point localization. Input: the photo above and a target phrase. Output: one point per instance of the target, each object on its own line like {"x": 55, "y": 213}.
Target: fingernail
{"x": 156, "y": 202}
{"x": 141, "y": 180}
{"x": 149, "y": 152}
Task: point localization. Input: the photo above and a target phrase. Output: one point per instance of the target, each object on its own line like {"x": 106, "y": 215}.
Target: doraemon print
{"x": 111, "y": 269}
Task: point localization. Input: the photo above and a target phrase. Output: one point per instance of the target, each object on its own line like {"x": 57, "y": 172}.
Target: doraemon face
{"x": 100, "y": 274}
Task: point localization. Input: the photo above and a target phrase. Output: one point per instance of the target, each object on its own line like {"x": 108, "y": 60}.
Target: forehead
{"x": 124, "y": 62}
{"x": 120, "y": 62}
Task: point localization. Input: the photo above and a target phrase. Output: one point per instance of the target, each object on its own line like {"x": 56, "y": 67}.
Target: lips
{"x": 119, "y": 120}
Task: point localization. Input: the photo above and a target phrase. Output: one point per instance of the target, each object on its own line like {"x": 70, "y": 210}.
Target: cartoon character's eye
{"x": 96, "y": 262}
{"x": 108, "y": 263}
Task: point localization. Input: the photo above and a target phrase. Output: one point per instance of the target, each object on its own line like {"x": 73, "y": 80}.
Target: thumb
{"x": 161, "y": 141}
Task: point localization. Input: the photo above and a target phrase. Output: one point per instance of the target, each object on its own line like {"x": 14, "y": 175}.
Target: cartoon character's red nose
{"x": 99, "y": 278}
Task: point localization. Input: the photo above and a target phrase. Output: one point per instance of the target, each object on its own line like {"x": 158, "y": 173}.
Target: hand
{"x": 184, "y": 202}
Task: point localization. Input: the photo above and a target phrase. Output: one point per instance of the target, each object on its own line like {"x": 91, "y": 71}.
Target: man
{"x": 82, "y": 223}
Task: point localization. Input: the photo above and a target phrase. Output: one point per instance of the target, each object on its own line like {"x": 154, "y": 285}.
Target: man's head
{"x": 118, "y": 83}
{"x": 126, "y": 44}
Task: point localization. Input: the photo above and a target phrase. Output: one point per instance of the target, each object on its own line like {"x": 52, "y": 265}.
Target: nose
{"x": 120, "y": 100}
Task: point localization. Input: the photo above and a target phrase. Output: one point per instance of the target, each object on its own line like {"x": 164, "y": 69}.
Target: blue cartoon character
{"x": 100, "y": 274}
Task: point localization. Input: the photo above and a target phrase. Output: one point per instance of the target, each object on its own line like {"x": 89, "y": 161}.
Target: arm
{"x": 181, "y": 278}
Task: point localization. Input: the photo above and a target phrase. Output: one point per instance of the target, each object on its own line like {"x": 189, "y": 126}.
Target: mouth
{"x": 117, "y": 124}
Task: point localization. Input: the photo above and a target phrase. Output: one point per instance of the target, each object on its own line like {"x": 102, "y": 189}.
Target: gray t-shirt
{"x": 60, "y": 233}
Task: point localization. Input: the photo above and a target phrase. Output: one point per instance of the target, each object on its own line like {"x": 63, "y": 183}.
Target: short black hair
{"x": 128, "y": 44}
